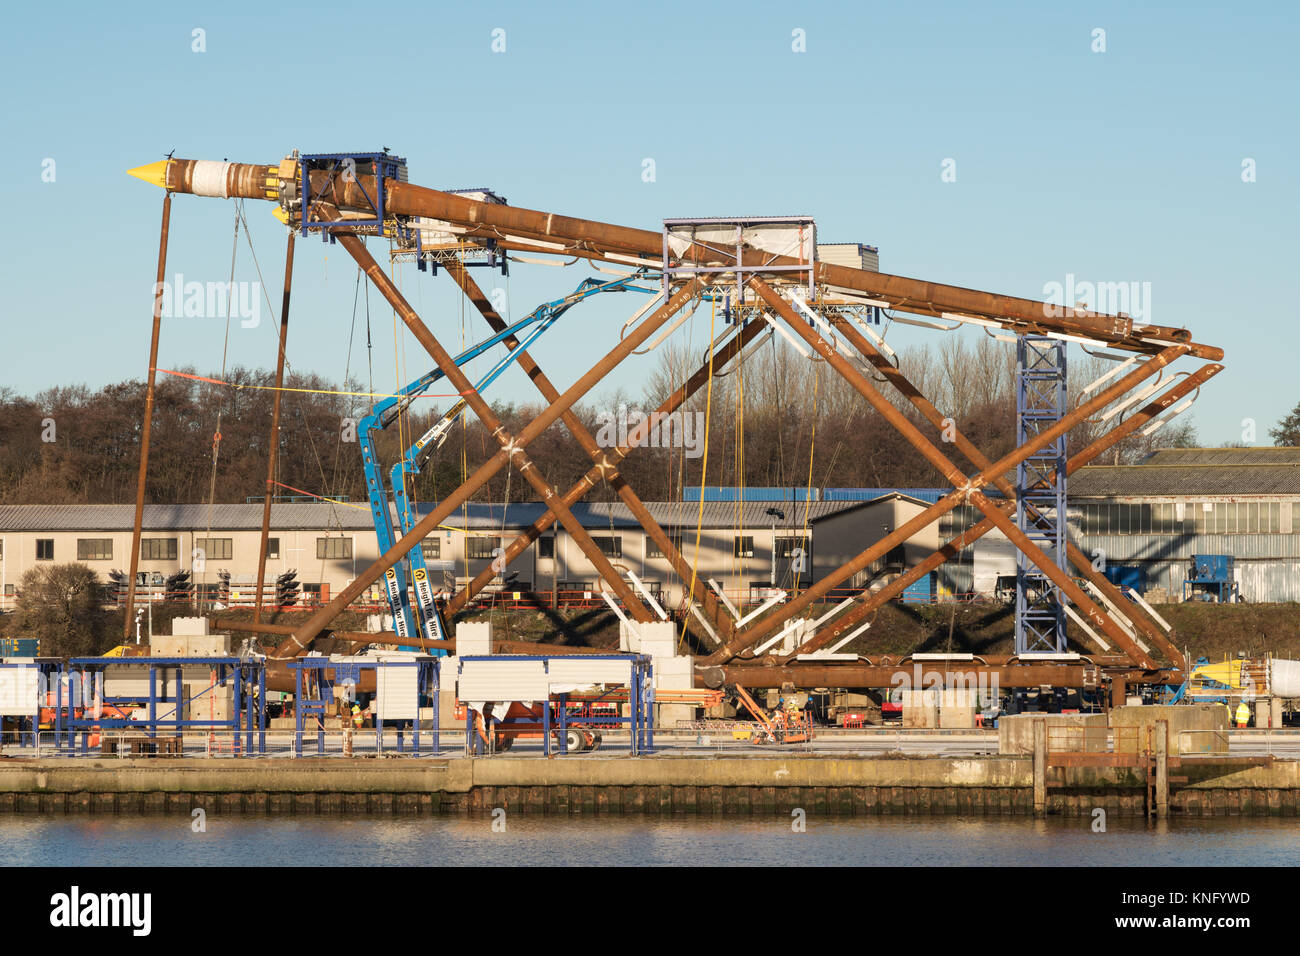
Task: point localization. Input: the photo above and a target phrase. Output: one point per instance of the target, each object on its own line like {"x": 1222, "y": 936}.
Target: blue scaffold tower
{"x": 1040, "y": 492}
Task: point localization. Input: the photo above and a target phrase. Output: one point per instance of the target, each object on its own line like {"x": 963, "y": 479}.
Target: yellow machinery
{"x": 788, "y": 725}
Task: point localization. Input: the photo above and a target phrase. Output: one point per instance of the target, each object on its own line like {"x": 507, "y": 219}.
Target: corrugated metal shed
{"x": 669, "y": 514}
{"x": 1185, "y": 480}
{"x": 1176, "y": 547}
{"x": 928, "y": 495}
{"x": 733, "y": 493}
{"x": 1276, "y": 455}
{"x": 171, "y": 517}
{"x": 856, "y": 255}
{"x": 477, "y": 516}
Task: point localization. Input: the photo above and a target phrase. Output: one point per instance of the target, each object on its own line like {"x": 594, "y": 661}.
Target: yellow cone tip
{"x": 155, "y": 173}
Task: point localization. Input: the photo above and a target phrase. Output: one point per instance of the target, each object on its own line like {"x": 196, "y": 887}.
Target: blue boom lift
{"x": 408, "y": 466}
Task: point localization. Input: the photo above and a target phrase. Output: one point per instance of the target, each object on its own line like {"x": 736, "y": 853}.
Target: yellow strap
{"x": 704, "y": 473}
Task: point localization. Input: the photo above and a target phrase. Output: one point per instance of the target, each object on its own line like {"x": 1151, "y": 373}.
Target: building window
{"x": 157, "y": 549}
{"x": 311, "y": 593}
{"x": 44, "y": 549}
{"x": 785, "y": 546}
{"x": 431, "y": 548}
{"x": 611, "y": 546}
{"x": 744, "y": 546}
{"x": 215, "y": 549}
{"x": 273, "y": 548}
{"x": 94, "y": 549}
{"x": 653, "y": 550}
{"x": 546, "y": 547}
{"x": 477, "y": 549}
{"x": 334, "y": 549}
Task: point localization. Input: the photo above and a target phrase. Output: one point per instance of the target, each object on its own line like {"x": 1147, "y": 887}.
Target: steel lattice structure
{"x": 1040, "y": 491}
{"x": 810, "y": 302}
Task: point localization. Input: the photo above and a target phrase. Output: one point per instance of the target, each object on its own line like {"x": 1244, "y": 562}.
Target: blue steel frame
{"x": 640, "y": 718}
{"x": 380, "y": 418}
{"x": 494, "y": 258}
{"x": 249, "y": 693}
{"x": 386, "y": 412}
{"x": 1041, "y": 402}
{"x": 386, "y": 166}
{"x": 310, "y": 675}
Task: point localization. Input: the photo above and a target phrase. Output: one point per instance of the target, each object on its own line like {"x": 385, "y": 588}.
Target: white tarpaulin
{"x": 19, "y": 688}
{"x": 502, "y": 678}
{"x": 779, "y": 239}
{"x": 397, "y": 691}
{"x": 992, "y": 556}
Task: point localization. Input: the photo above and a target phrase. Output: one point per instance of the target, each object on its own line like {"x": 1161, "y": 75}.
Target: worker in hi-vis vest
{"x": 1243, "y": 714}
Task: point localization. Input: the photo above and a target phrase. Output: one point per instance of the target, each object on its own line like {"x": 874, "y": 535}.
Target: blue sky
{"x": 1121, "y": 166}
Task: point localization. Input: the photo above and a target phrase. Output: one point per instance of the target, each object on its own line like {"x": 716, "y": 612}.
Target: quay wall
{"x": 820, "y": 785}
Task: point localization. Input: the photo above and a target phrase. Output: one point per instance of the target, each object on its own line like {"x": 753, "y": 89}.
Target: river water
{"x": 642, "y": 841}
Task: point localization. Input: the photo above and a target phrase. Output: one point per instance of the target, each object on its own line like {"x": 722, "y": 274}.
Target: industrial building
{"x": 1148, "y": 520}
{"x": 1144, "y": 523}
{"x": 326, "y": 543}
{"x": 1145, "y": 520}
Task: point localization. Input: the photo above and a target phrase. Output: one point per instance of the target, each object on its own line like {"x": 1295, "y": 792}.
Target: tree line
{"x": 773, "y": 419}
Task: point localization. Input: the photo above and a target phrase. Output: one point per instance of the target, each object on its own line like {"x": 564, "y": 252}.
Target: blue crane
{"x": 415, "y": 457}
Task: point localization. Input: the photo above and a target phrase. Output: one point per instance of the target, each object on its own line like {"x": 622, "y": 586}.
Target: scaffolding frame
{"x": 316, "y": 676}
{"x": 1041, "y": 401}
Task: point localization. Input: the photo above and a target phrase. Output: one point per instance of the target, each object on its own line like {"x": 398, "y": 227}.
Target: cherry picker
{"x": 385, "y": 413}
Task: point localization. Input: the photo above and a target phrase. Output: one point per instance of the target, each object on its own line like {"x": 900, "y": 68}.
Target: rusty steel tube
{"x": 147, "y": 426}
{"x": 874, "y": 675}
{"x": 767, "y": 625}
{"x": 274, "y": 446}
{"x": 475, "y": 401}
{"x": 429, "y": 522}
{"x": 490, "y": 220}
{"x": 950, "y": 549}
{"x": 911, "y": 295}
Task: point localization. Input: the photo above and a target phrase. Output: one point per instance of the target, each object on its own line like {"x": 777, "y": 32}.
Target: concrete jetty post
{"x": 1162, "y": 769}
{"x": 1040, "y": 768}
